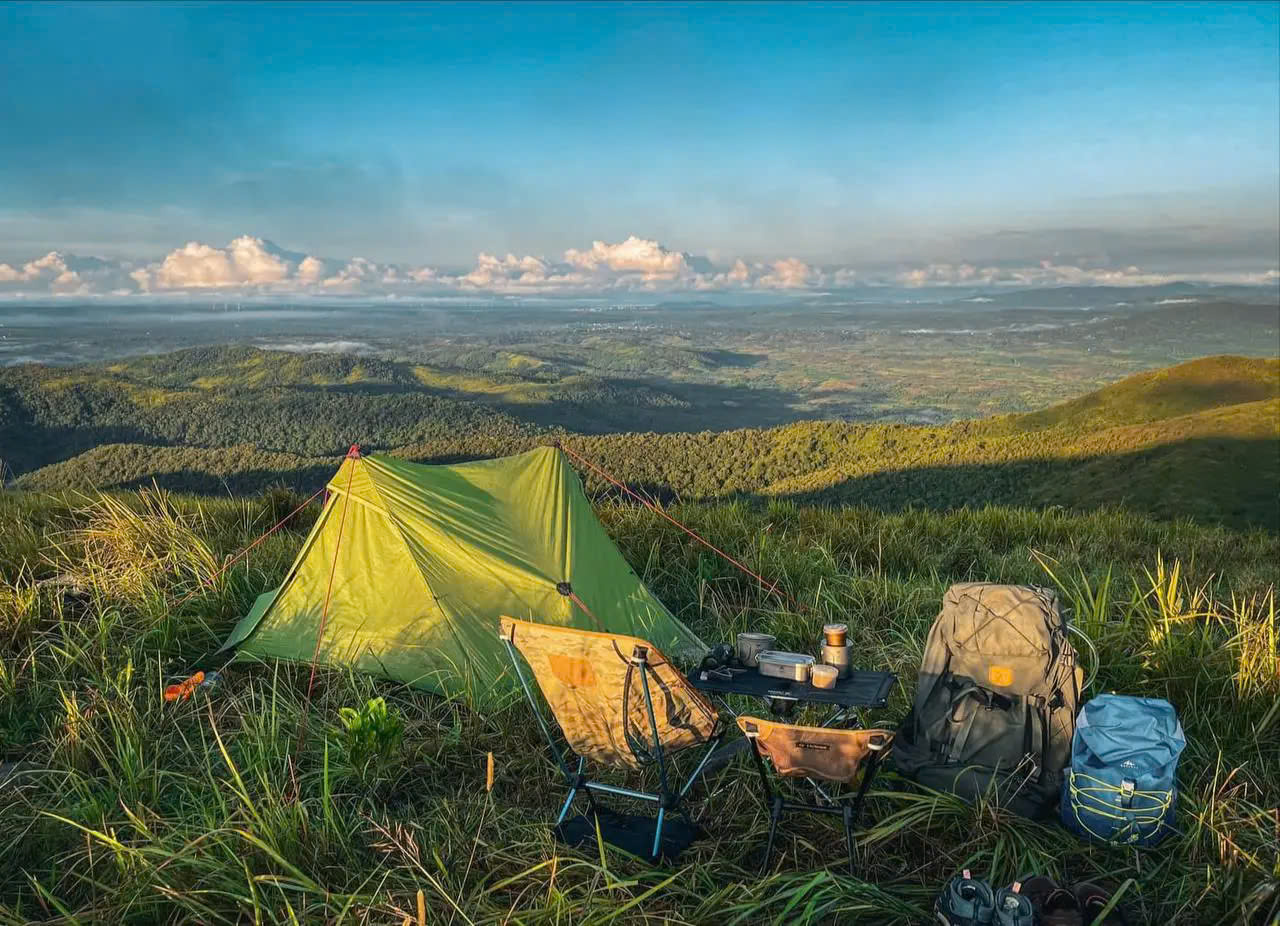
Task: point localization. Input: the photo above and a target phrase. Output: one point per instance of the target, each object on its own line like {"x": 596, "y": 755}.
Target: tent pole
{"x": 354, "y": 455}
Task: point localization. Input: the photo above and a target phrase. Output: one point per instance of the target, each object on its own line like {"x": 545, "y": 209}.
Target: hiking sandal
{"x": 965, "y": 901}
{"x": 1013, "y": 908}
{"x": 1093, "y": 900}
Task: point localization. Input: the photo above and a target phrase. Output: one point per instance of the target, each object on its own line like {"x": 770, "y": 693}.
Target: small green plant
{"x": 373, "y": 732}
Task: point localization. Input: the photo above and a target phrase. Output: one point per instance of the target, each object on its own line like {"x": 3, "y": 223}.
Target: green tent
{"x": 425, "y": 559}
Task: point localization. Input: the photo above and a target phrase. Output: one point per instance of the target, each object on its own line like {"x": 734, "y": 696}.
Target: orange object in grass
{"x": 183, "y": 689}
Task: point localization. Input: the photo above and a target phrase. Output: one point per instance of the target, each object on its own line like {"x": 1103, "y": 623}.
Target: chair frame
{"x": 848, "y": 812}
{"x": 668, "y": 799}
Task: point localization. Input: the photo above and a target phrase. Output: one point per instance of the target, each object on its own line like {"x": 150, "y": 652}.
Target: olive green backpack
{"x": 996, "y": 700}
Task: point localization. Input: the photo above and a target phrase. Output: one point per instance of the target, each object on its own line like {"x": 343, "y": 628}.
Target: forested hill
{"x": 1200, "y": 440}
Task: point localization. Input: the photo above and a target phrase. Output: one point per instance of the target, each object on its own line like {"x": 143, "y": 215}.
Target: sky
{"x": 165, "y": 148}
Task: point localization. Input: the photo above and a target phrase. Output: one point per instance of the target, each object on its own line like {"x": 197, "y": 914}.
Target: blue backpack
{"x": 1121, "y": 785}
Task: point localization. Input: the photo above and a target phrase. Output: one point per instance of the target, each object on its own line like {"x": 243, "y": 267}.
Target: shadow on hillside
{"x": 24, "y": 448}
{"x": 1227, "y": 481}
{"x": 647, "y": 403}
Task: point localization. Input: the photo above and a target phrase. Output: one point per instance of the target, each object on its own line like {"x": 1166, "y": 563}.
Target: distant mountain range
{"x": 1199, "y": 440}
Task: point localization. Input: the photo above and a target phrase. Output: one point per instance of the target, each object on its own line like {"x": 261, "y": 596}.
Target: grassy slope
{"x": 137, "y": 811}
{"x": 1199, "y": 439}
{"x": 1195, "y": 386}
{"x": 133, "y": 811}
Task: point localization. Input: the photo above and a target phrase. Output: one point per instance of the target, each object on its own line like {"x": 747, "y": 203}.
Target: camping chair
{"x": 827, "y": 753}
{"x": 620, "y": 703}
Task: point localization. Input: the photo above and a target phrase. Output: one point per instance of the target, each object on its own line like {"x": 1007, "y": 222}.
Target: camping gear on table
{"x": 838, "y": 657}
{"x": 823, "y": 676}
{"x": 996, "y": 699}
{"x": 618, "y": 702}
{"x": 835, "y": 634}
{"x": 751, "y": 645}
{"x": 409, "y": 567}
{"x": 1121, "y": 786}
{"x": 720, "y": 656}
{"x": 826, "y": 753}
{"x": 792, "y": 666}
{"x": 860, "y": 689}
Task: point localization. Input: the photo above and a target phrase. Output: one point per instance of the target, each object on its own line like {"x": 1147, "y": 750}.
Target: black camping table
{"x": 859, "y": 689}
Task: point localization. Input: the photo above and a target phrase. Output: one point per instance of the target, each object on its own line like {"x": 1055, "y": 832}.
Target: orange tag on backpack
{"x": 1000, "y": 675}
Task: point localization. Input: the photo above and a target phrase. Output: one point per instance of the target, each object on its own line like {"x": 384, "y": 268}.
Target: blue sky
{"x": 860, "y": 136}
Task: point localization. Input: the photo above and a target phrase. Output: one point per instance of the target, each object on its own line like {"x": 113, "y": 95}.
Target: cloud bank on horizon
{"x": 250, "y": 266}
{"x": 458, "y": 148}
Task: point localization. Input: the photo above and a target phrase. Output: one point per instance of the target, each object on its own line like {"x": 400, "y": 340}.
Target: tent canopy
{"x": 426, "y": 559}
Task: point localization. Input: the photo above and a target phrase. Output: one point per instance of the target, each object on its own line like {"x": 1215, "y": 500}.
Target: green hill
{"x": 1201, "y": 439}
{"x": 1199, "y": 385}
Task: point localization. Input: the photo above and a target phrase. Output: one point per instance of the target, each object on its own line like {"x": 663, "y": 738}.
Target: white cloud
{"x": 511, "y": 273}
{"x": 254, "y": 263}
{"x": 789, "y": 274}
{"x": 647, "y": 258}
{"x": 245, "y": 262}
{"x": 358, "y": 272}
{"x": 251, "y": 265}
{"x": 61, "y": 274}
{"x": 310, "y": 271}
{"x": 424, "y": 275}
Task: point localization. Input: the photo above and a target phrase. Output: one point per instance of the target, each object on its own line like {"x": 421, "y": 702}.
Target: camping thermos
{"x": 751, "y": 645}
{"x": 835, "y": 651}
{"x": 837, "y": 656}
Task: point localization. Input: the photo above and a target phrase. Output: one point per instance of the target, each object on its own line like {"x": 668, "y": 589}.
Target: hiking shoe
{"x": 1037, "y": 889}
{"x": 1093, "y": 900}
{"x": 965, "y": 901}
{"x": 1053, "y": 904}
{"x": 1013, "y": 908}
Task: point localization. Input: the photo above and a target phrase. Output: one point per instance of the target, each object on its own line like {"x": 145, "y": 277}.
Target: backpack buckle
{"x": 1127, "y": 786}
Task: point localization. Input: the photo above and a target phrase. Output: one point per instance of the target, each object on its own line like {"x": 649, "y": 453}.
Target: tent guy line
{"x": 768, "y": 586}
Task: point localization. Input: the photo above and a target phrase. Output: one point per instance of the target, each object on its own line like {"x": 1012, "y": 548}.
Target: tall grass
{"x": 116, "y": 807}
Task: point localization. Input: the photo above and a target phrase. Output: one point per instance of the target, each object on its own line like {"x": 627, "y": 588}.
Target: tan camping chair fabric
{"x": 593, "y": 688}
{"x": 828, "y": 753}
{"x": 618, "y": 701}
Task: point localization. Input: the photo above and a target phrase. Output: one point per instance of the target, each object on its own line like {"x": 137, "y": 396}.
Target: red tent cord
{"x": 239, "y": 556}
{"x": 573, "y": 596}
{"x": 767, "y": 585}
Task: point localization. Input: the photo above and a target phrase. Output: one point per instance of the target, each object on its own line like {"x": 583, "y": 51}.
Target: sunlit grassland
{"x": 116, "y": 807}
